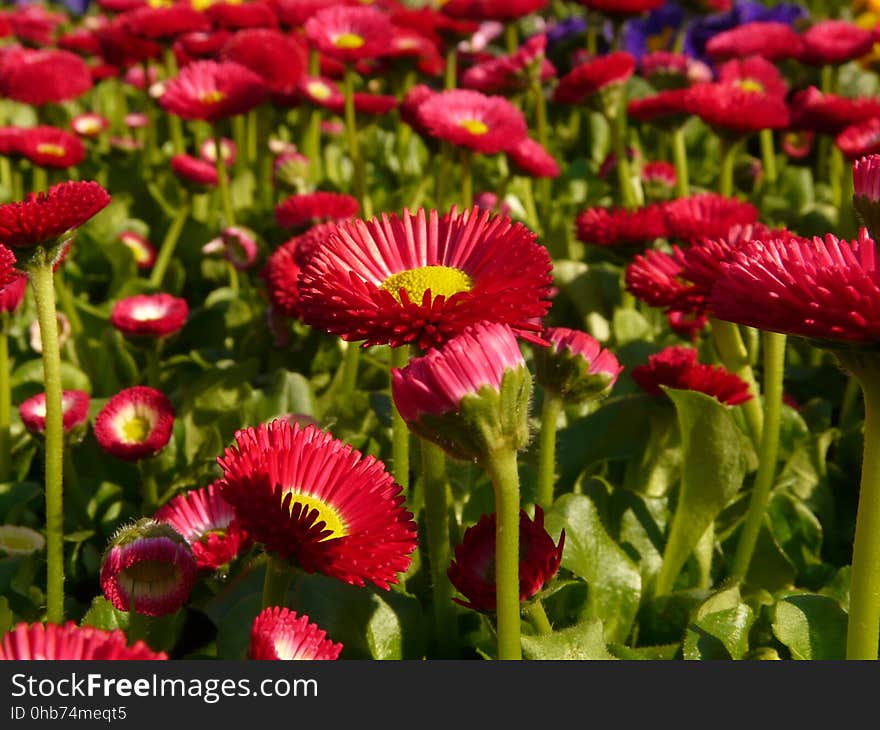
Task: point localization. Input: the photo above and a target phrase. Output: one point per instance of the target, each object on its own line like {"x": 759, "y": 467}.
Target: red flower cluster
{"x": 621, "y": 227}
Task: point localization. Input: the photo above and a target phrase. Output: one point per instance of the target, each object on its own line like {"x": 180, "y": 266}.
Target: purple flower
{"x": 656, "y": 32}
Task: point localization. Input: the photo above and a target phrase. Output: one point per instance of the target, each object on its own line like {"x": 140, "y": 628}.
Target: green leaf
{"x": 658, "y": 468}
{"x": 770, "y": 568}
{"x": 713, "y": 467}
{"x": 102, "y": 615}
{"x": 581, "y": 641}
{"x": 614, "y": 581}
{"x": 6, "y": 616}
{"x": 720, "y": 629}
{"x": 811, "y": 626}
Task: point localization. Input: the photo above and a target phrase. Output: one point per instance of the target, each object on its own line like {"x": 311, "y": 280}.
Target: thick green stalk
{"x": 354, "y": 150}
{"x": 547, "y": 449}
{"x": 864, "y": 592}
{"x": 618, "y": 126}
{"x": 502, "y": 468}
{"x": 682, "y": 176}
{"x": 276, "y": 582}
{"x": 735, "y": 357}
{"x": 40, "y": 179}
{"x": 43, "y": 283}
{"x": 467, "y": 180}
{"x": 538, "y": 617}
{"x": 774, "y": 369}
{"x": 768, "y": 157}
{"x": 511, "y": 37}
{"x": 450, "y": 72}
{"x": 399, "y": 430}
{"x": 541, "y": 130}
{"x": 439, "y": 550}
{"x": 350, "y": 361}
{"x": 175, "y": 123}
{"x": 5, "y": 401}
{"x": 223, "y": 184}
{"x": 166, "y": 250}
{"x": 728, "y": 156}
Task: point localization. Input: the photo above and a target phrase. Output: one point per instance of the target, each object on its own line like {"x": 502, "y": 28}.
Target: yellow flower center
{"x": 136, "y": 429}
{"x": 328, "y": 515}
{"x": 212, "y": 97}
{"x": 319, "y": 90}
{"x": 348, "y": 41}
{"x": 474, "y": 126}
{"x": 47, "y": 148}
{"x": 440, "y": 280}
{"x": 752, "y": 85}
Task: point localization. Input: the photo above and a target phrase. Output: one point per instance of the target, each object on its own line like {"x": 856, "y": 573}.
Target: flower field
{"x": 484, "y": 330}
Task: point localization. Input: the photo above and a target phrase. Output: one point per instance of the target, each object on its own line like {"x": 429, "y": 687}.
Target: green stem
{"x": 312, "y": 145}
{"x": 538, "y": 617}
{"x": 774, "y": 368}
{"x": 735, "y": 357}
{"x": 836, "y": 172}
{"x": 68, "y": 305}
{"x": 768, "y": 157}
{"x": 252, "y": 134}
{"x": 264, "y": 158}
{"x": 223, "y": 184}
{"x": 592, "y": 34}
{"x": 728, "y": 156}
{"x": 276, "y": 582}
{"x": 541, "y": 130}
{"x": 439, "y": 551}
{"x": 350, "y": 360}
{"x": 149, "y": 487}
{"x": 864, "y": 593}
{"x": 399, "y": 430}
{"x": 547, "y": 449}
{"x": 5, "y": 402}
{"x": 682, "y": 176}
{"x": 166, "y": 250}
{"x": 354, "y": 150}
{"x": 511, "y": 37}
{"x": 467, "y": 180}
{"x": 175, "y": 123}
{"x": 618, "y": 142}
{"x": 39, "y": 180}
{"x": 43, "y": 283}
{"x": 848, "y": 404}
{"x": 450, "y": 72}
{"x": 502, "y": 468}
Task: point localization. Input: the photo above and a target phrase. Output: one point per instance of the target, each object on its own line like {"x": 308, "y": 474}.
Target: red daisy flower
{"x": 74, "y": 407}
{"x": 136, "y": 422}
{"x": 486, "y": 124}
{"x": 472, "y": 572}
{"x": 242, "y": 16}
{"x": 193, "y": 170}
{"x": 677, "y": 367}
{"x": 622, "y": 7}
{"x": 860, "y": 139}
{"x": 493, "y": 9}
{"x": 668, "y": 108}
{"x": 8, "y": 274}
{"x": 665, "y": 69}
{"x": 814, "y": 111}
{"x": 295, "y": 13}
{"x": 162, "y": 23}
{"x": 866, "y": 178}
{"x": 200, "y": 45}
{"x": 655, "y": 278}
{"x": 593, "y": 76}
{"x": 278, "y": 633}
{"x": 438, "y": 26}
{"x": 50, "y": 147}
{"x": 574, "y": 365}
{"x": 731, "y": 109}
{"x": 424, "y": 278}
{"x": 149, "y": 316}
{"x": 365, "y": 103}
{"x": 826, "y": 289}
{"x": 280, "y": 60}
{"x": 659, "y": 177}
{"x": 706, "y": 215}
{"x": 533, "y": 159}
{"x": 755, "y": 74}
{"x": 143, "y": 251}
{"x": 687, "y": 324}
{"x": 47, "y": 219}
{"x": 510, "y": 72}
{"x": 798, "y": 144}
{"x": 89, "y": 125}
{"x": 348, "y": 33}
{"x": 621, "y": 227}
{"x": 772, "y": 40}
{"x": 311, "y": 208}
{"x": 210, "y": 91}
{"x": 43, "y": 77}
{"x": 835, "y": 42}
{"x": 148, "y": 568}
{"x": 311, "y": 498}
{"x": 34, "y": 24}
{"x": 82, "y": 40}
{"x": 322, "y": 92}
{"x": 121, "y": 48}
{"x": 69, "y": 641}
{"x": 228, "y": 151}
{"x": 207, "y": 522}
{"x": 409, "y": 107}
{"x": 12, "y": 294}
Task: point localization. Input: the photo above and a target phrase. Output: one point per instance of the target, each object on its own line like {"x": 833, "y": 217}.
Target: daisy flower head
{"x": 593, "y": 76}
{"x": 135, "y": 423}
{"x": 89, "y": 125}
{"x": 50, "y": 147}
{"x": 706, "y": 215}
{"x": 349, "y": 33}
{"x": 422, "y": 278}
{"x": 143, "y": 251}
{"x": 149, "y": 316}
{"x": 835, "y": 42}
{"x": 40, "y": 77}
{"x": 574, "y": 365}
{"x": 470, "y": 396}
{"x": 74, "y": 409}
{"x": 69, "y": 641}
{"x": 621, "y": 227}
{"x": 195, "y": 172}
{"x": 485, "y": 124}
{"x": 207, "y": 522}
{"x": 314, "y": 500}
{"x": 773, "y": 40}
{"x": 472, "y": 571}
{"x": 209, "y": 91}
{"x": 148, "y": 568}
{"x": 278, "y": 633}
{"x": 306, "y": 209}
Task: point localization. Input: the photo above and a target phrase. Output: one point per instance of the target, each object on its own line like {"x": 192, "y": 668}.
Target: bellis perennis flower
{"x": 69, "y": 641}
{"x": 574, "y": 365}
{"x": 278, "y": 633}
{"x": 149, "y": 315}
{"x": 135, "y": 423}
{"x": 74, "y": 407}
